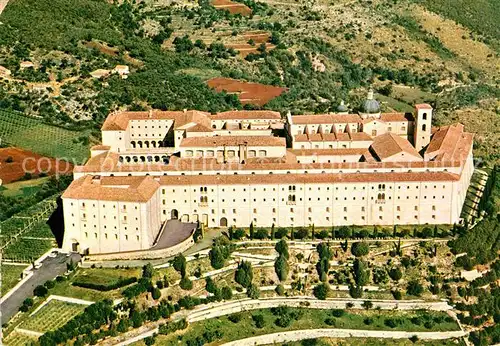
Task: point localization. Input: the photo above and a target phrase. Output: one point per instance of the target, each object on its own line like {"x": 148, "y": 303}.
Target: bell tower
{"x": 422, "y": 126}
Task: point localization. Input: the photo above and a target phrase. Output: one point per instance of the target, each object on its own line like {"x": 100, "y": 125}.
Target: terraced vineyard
{"x": 22, "y": 131}
{"x": 52, "y": 316}
{"x": 19, "y": 339}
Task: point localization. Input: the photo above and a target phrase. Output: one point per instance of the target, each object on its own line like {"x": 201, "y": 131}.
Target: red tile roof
{"x": 389, "y": 144}
{"x": 218, "y": 141}
{"x": 246, "y": 115}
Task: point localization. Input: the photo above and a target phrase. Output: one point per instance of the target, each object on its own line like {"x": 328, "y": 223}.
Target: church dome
{"x": 371, "y": 105}
{"x": 342, "y": 108}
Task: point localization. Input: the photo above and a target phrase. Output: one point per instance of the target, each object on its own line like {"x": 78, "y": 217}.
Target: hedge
{"x": 102, "y": 287}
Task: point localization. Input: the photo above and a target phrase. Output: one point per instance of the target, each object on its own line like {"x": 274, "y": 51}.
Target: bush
{"x": 253, "y": 292}
{"x": 237, "y": 234}
{"x": 102, "y": 287}
{"x": 397, "y": 294}
{"x": 396, "y": 274}
{"x": 281, "y": 233}
{"x": 261, "y": 233}
{"x": 337, "y": 312}
{"x": 235, "y": 318}
{"x": 226, "y": 293}
{"x": 172, "y": 326}
{"x": 156, "y": 294}
{"x": 356, "y": 291}
{"x": 281, "y": 268}
{"x": 331, "y": 321}
{"x": 301, "y": 233}
{"x": 244, "y": 274}
{"x": 368, "y": 321}
{"x": 210, "y": 285}
{"x": 414, "y": 288}
{"x": 49, "y": 284}
{"x": 391, "y": 322}
{"x": 280, "y": 290}
{"x": 40, "y": 291}
{"x": 321, "y": 291}
{"x": 179, "y": 264}
{"x": 281, "y": 248}
{"x": 360, "y": 249}
{"x": 259, "y": 321}
{"x": 186, "y": 284}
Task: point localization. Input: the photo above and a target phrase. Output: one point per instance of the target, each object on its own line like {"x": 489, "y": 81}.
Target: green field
{"x": 10, "y": 276}
{"x": 308, "y": 319}
{"x": 29, "y": 133}
{"x": 23, "y": 188}
{"x": 104, "y": 276}
{"x": 19, "y": 339}
{"x": 376, "y": 342}
{"x": 52, "y": 316}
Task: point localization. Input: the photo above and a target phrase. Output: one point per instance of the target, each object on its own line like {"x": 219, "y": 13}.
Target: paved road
{"x": 297, "y": 335}
{"x": 51, "y": 267}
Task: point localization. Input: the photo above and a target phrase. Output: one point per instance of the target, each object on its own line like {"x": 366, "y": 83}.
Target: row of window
{"x": 125, "y": 237}
{"x": 220, "y": 153}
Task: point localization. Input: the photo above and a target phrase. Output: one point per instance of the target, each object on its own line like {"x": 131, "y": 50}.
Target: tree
{"x": 179, "y": 264}
{"x": 280, "y": 290}
{"x": 186, "y": 284}
{"x": 414, "y": 288}
{"x": 396, "y": 274}
{"x": 251, "y": 230}
{"x": 281, "y": 267}
{"x": 367, "y": 304}
{"x": 259, "y": 321}
{"x": 253, "y": 292}
{"x": 361, "y": 272}
{"x": 321, "y": 291}
{"x": 360, "y": 248}
{"x": 147, "y": 271}
{"x": 344, "y": 232}
{"x": 156, "y": 294}
{"x": 227, "y": 293}
{"x": 210, "y": 285}
{"x": 272, "y": 231}
{"x": 282, "y": 248}
{"x": 217, "y": 257}
{"x": 40, "y": 291}
{"x": 244, "y": 274}
{"x": 356, "y": 291}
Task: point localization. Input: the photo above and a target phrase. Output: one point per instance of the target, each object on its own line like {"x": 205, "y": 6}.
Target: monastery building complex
{"x": 240, "y": 167}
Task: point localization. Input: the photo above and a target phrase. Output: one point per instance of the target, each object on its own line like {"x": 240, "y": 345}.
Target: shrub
{"x": 217, "y": 257}
{"x": 237, "y": 234}
{"x": 301, "y": 233}
{"x": 321, "y": 291}
{"x": 395, "y": 274}
{"x": 226, "y": 293}
{"x": 179, "y": 264}
{"x": 244, "y": 274}
{"x": 368, "y": 321}
{"x": 397, "y": 294}
{"x": 414, "y": 288}
{"x": 281, "y": 233}
{"x": 337, "y": 312}
{"x": 40, "y": 291}
{"x": 186, "y": 284}
{"x": 356, "y": 291}
{"x": 360, "y": 249}
{"x": 280, "y": 290}
{"x": 259, "y": 321}
{"x": 281, "y": 248}
{"x": 210, "y": 285}
{"x": 331, "y": 321}
{"x": 261, "y": 233}
{"x": 367, "y": 304}
{"x": 49, "y": 284}
{"x": 172, "y": 326}
{"x": 281, "y": 268}
{"x": 102, "y": 287}
{"x": 391, "y": 322}
{"x": 235, "y": 318}
{"x": 156, "y": 294}
{"x": 253, "y": 292}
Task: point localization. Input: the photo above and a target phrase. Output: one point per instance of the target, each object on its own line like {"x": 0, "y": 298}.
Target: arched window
{"x": 424, "y": 116}
{"x": 424, "y": 127}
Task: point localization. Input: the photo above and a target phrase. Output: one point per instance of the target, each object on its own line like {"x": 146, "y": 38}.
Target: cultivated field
{"x": 30, "y": 133}
{"x": 52, "y": 316}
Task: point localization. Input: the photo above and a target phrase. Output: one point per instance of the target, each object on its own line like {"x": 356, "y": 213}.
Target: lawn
{"x": 311, "y": 319}
{"x": 52, "y": 316}
{"x": 104, "y": 276}
{"x": 29, "y": 133}
{"x": 10, "y": 276}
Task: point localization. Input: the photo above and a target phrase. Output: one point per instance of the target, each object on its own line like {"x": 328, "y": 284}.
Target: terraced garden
{"x": 52, "y": 316}
{"x": 19, "y": 339}
{"x": 10, "y": 276}
{"x": 266, "y": 321}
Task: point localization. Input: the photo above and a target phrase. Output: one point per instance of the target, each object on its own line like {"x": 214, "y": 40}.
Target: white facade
{"x": 228, "y": 169}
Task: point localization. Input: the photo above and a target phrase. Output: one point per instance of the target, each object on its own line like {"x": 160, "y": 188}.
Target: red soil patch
{"x": 257, "y": 36}
{"x": 27, "y": 161}
{"x": 232, "y": 7}
{"x": 244, "y": 48}
{"x": 248, "y": 93}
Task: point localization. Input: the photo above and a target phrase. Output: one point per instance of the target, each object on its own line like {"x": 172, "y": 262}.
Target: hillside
{"x": 320, "y": 51}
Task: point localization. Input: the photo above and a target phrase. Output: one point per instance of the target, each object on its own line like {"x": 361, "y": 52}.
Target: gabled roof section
{"x": 325, "y": 119}
{"x": 449, "y": 143}
{"x": 246, "y": 115}
{"x": 219, "y": 141}
{"x": 121, "y": 189}
{"x": 389, "y": 144}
